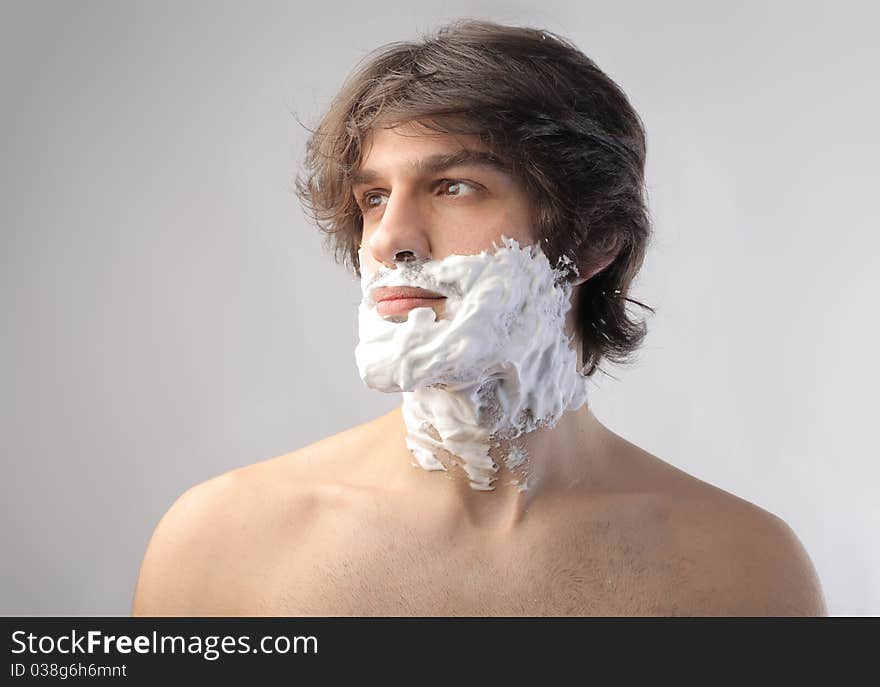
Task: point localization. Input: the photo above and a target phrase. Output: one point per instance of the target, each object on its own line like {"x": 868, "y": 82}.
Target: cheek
{"x": 475, "y": 242}
{"x": 367, "y": 264}
{"x": 516, "y": 223}
{"x": 479, "y": 235}
{"x": 525, "y": 236}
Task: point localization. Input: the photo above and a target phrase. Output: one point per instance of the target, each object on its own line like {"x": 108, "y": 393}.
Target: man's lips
{"x": 395, "y": 300}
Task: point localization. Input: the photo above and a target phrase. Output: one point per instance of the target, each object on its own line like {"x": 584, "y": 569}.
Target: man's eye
{"x": 447, "y": 183}
{"x": 367, "y": 200}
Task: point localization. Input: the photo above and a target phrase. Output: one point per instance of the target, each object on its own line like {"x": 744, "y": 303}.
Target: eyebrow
{"x": 440, "y": 162}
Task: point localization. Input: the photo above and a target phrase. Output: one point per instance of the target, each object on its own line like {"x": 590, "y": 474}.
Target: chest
{"x": 577, "y": 572}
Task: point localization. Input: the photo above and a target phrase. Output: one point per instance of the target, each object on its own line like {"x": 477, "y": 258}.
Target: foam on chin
{"x": 496, "y": 366}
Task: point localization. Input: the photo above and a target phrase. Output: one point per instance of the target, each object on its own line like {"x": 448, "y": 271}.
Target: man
{"x": 500, "y": 168}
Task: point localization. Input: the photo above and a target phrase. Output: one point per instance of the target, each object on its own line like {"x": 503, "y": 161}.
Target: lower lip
{"x": 396, "y": 306}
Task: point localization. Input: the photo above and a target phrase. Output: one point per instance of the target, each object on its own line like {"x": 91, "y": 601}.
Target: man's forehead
{"x": 423, "y": 151}
{"x": 420, "y": 135}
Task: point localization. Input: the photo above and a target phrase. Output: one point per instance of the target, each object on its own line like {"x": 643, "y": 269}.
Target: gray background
{"x": 168, "y": 313}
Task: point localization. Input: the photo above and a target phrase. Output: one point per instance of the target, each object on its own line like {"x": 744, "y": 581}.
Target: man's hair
{"x": 568, "y": 131}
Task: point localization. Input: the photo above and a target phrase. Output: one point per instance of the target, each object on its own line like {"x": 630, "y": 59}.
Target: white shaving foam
{"x": 497, "y": 365}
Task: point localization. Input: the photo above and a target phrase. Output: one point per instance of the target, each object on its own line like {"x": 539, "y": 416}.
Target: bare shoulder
{"x": 185, "y": 570}
{"x": 731, "y": 557}
{"x": 178, "y": 552}
{"x": 212, "y": 543}
{"x": 742, "y": 560}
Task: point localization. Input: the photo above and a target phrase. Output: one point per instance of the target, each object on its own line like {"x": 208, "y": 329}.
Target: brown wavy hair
{"x": 573, "y": 139}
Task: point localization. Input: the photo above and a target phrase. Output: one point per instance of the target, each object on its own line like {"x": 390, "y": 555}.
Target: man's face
{"x": 419, "y": 192}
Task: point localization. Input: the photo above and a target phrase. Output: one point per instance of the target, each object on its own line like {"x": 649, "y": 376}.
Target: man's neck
{"x": 572, "y": 453}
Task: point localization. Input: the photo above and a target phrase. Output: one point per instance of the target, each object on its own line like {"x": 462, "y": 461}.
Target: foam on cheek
{"x": 497, "y": 365}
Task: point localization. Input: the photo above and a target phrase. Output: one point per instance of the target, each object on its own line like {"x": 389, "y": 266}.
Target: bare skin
{"x": 349, "y": 526}
{"x": 636, "y": 536}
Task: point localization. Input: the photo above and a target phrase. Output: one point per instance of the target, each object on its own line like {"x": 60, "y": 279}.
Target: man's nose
{"x": 402, "y": 233}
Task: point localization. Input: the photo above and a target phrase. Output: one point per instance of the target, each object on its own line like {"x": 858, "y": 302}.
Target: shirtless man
{"x": 589, "y": 524}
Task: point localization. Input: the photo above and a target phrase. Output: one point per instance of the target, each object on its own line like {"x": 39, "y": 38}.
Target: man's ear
{"x": 593, "y": 271}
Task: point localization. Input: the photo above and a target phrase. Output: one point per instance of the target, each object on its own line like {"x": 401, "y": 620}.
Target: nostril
{"x": 404, "y": 256}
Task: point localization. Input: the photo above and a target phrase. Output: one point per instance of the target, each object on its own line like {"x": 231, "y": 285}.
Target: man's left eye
{"x": 452, "y": 183}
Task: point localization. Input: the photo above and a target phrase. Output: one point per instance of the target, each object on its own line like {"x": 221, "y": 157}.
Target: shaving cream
{"x": 498, "y": 364}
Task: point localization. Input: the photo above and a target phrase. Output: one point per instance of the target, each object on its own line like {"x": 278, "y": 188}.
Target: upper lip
{"x": 390, "y": 293}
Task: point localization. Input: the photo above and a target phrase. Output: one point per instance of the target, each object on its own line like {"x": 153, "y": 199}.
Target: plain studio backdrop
{"x": 169, "y": 314}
